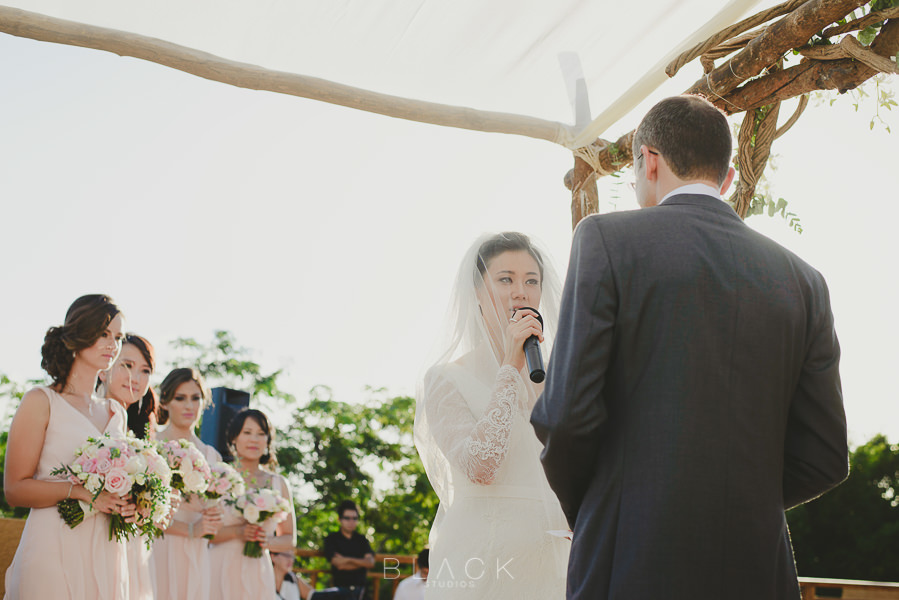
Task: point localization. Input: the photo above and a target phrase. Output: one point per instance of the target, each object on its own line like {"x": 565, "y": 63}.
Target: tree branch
{"x": 811, "y": 75}
{"x": 793, "y": 31}
{"x": 861, "y": 23}
{"x": 726, "y": 34}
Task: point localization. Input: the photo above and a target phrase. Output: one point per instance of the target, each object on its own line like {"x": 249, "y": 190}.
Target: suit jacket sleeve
{"x": 816, "y": 450}
{"x": 571, "y": 410}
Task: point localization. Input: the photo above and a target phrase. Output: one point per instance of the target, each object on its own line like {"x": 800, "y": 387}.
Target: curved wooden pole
{"x": 202, "y": 64}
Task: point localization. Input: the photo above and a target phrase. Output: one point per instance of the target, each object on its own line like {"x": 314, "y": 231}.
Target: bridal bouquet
{"x": 190, "y": 471}
{"x": 225, "y": 482}
{"x": 260, "y": 507}
{"x": 121, "y": 466}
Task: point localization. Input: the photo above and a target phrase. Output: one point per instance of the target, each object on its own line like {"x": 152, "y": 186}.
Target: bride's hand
{"x": 522, "y": 325}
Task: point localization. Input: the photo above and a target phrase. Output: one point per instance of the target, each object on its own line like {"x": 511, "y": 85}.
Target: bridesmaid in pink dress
{"x": 235, "y": 576}
{"x": 181, "y": 558}
{"x": 52, "y": 560}
{"x": 128, "y": 383}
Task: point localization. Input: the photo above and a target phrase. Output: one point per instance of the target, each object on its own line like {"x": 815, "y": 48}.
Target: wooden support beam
{"x": 202, "y": 64}
{"x": 584, "y": 194}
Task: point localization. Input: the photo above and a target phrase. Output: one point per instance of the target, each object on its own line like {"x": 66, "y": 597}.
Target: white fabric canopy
{"x": 502, "y": 55}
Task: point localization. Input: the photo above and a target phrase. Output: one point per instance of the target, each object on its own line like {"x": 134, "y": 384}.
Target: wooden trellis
{"x": 753, "y": 80}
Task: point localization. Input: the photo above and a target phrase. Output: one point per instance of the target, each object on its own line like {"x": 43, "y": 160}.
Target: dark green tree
{"x": 364, "y": 452}
{"x": 852, "y": 531}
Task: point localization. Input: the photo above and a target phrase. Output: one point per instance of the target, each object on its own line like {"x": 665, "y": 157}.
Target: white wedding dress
{"x": 490, "y": 539}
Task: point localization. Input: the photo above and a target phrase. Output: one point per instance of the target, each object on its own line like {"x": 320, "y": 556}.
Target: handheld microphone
{"x": 532, "y": 353}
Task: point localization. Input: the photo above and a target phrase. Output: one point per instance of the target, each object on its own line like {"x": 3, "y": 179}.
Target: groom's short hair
{"x": 691, "y": 133}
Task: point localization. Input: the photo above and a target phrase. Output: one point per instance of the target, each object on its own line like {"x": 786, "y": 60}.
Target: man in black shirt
{"x": 349, "y": 552}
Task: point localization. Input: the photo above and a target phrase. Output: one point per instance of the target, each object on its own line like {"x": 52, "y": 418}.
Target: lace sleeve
{"x": 476, "y": 446}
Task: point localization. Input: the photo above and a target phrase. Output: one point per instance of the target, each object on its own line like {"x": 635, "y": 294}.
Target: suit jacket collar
{"x": 702, "y": 201}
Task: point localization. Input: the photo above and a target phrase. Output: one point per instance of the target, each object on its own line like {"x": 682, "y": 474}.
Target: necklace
{"x": 88, "y": 401}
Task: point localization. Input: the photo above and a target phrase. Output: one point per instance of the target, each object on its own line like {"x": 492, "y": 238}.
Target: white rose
{"x": 136, "y": 464}
{"x": 195, "y": 482}
{"x": 251, "y": 514}
{"x": 93, "y": 483}
{"x": 90, "y": 452}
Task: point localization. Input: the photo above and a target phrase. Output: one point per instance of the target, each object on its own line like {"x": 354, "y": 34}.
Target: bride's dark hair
{"x": 506, "y": 242}
{"x": 86, "y": 320}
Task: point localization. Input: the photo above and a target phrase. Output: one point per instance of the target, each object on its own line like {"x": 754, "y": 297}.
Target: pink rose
{"x": 120, "y": 462}
{"x": 103, "y": 465}
{"x": 118, "y": 482}
{"x": 103, "y": 453}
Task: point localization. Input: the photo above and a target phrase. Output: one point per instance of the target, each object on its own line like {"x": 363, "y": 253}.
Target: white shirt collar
{"x": 694, "y": 188}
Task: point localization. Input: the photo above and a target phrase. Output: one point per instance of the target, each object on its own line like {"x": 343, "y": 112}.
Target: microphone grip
{"x": 534, "y": 358}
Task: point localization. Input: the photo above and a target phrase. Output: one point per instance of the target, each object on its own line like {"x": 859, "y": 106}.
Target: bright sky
{"x": 326, "y": 239}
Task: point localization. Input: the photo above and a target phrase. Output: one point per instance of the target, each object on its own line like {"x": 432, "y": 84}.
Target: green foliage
{"x": 764, "y": 203}
{"x": 884, "y": 98}
{"x": 363, "y": 451}
{"x": 851, "y": 532}
{"x": 331, "y": 451}
{"x": 867, "y": 35}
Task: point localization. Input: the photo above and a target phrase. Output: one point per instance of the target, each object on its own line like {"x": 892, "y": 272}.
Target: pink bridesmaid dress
{"x": 238, "y": 577}
{"x": 140, "y": 570}
{"x": 181, "y": 564}
{"x": 52, "y": 560}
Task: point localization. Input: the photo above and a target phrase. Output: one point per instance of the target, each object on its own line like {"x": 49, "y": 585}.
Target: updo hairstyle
{"x": 86, "y": 320}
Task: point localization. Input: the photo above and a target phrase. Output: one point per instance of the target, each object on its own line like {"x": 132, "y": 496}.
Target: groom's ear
{"x": 650, "y": 163}
{"x": 731, "y": 173}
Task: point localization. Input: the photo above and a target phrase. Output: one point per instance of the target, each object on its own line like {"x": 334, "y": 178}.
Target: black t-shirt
{"x": 354, "y": 547}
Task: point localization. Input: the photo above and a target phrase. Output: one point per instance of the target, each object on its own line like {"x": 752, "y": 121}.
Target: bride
{"x": 490, "y": 538}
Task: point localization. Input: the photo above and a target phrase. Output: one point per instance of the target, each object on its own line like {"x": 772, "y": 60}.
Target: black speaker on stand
{"x": 225, "y": 404}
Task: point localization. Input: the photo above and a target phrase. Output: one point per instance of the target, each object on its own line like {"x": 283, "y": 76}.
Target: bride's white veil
{"x": 467, "y": 335}
{"x": 468, "y": 320}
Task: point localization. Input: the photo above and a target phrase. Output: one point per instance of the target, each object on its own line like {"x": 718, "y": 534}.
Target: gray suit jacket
{"x": 692, "y": 396}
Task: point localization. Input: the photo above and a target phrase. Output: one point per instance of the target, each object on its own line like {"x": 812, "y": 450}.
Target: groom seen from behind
{"x": 693, "y": 394}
